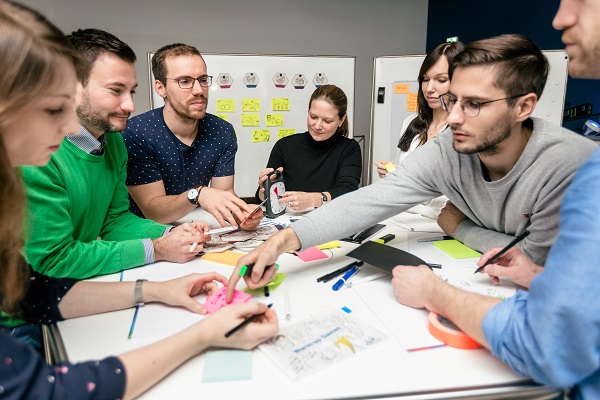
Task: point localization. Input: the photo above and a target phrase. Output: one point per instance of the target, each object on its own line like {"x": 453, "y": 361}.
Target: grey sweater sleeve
{"x": 409, "y": 185}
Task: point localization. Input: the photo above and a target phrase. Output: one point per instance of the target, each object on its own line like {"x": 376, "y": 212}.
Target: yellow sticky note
{"x": 280, "y": 104}
{"x": 227, "y": 257}
{"x": 389, "y": 167}
{"x": 223, "y": 116}
{"x": 329, "y": 245}
{"x": 226, "y": 105}
{"x": 401, "y": 88}
{"x": 411, "y": 106}
{"x": 250, "y": 105}
{"x": 250, "y": 119}
{"x": 412, "y": 97}
{"x": 456, "y": 249}
{"x": 274, "y": 119}
{"x": 261, "y": 135}
{"x": 283, "y": 132}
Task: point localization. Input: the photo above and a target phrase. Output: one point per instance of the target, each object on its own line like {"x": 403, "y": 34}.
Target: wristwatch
{"x": 323, "y": 198}
{"x": 139, "y": 296}
{"x": 194, "y": 194}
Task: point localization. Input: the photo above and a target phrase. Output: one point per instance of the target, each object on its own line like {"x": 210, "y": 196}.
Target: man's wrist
{"x": 199, "y": 193}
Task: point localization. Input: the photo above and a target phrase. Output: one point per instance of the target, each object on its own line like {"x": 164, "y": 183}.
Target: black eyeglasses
{"x": 470, "y": 108}
{"x": 187, "y": 82}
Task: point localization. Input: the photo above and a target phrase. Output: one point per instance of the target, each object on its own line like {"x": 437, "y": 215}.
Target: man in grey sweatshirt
{"x": 502, "y": 170}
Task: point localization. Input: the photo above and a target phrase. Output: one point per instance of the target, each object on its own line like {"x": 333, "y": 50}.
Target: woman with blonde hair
{"x": 322, "y": 163}
{"x": 37, "y": 109}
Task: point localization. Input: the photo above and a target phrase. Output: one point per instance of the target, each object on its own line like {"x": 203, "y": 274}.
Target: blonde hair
{"x": 31, "y": 51}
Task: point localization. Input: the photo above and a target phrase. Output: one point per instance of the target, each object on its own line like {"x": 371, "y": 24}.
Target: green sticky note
{"x": 456, "y": 249}
{"x": 227, "y": 365}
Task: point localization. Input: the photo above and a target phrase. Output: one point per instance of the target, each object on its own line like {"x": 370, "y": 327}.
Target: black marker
{"x": 327, "y": 277}
{"x": 244, "y": 323}
{"x": 504, "y": 250}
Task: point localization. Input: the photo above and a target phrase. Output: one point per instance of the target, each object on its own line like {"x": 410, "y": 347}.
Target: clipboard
{"x": 364, "y": 234}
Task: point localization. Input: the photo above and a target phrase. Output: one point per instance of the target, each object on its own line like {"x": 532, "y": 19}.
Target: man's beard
{"x": 491, "y": 140}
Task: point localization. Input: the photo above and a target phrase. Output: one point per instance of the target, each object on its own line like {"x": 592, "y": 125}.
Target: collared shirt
{"x": 88, "y": 143}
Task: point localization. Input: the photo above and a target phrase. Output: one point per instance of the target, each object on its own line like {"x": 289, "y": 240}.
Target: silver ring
{"x": 290, "y": 204}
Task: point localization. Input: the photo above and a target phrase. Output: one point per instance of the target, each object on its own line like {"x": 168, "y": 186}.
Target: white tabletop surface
{"x": 387, "y": 370}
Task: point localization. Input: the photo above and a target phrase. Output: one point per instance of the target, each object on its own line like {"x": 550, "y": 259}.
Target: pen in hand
{"x": 504, "y": 250}
{"x": 244, "y": 323}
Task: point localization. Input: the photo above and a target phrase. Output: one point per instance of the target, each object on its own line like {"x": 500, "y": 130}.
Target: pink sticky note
{"x": 311, "y": 254}
{"x": 217, "y": 300}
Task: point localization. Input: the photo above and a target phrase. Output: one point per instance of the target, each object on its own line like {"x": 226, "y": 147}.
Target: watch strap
{"x": 323, "y": 198}
{"x": 139, "y": 296}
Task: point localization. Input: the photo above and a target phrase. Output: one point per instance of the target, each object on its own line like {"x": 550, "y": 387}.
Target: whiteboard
{"x": 387, "y": 117}
{"x": 275, "y": 90}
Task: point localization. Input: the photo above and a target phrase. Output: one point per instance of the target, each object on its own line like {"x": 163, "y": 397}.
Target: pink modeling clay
{"x": 217, "y": 300}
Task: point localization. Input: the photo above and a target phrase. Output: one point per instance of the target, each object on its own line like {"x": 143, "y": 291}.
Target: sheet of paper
{"x": 409, "y": 326}
{"x": 456, "y": 249}
{"x": 227, "y": 365}
{"x": 464, "y": 278}
{"x": 308, "y": 346}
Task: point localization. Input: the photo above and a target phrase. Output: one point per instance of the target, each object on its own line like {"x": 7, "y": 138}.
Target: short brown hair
{"x": 521, "y": 67}
{"x": 335, "y": 96}
{"x": 159, "y": 68}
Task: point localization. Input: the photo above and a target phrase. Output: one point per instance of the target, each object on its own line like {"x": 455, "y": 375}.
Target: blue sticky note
{"x": 227, "y": 365}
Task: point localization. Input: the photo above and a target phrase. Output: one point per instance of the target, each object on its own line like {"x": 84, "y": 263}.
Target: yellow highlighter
{"x": 389, "y": 167}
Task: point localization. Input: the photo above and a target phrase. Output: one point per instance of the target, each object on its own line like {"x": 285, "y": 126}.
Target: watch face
{"x": 192, "y": 195}
{"x": 276, "y": 190}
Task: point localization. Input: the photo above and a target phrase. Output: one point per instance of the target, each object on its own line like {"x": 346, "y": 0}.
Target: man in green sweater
{"x": 79, "y": 222}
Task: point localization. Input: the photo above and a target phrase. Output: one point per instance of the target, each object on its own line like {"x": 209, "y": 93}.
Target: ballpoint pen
{"x": 343, "y": 279}
{"x": 366, "y": 279}
{"x": 135, "y": 314}
{"x": 504, "y": 250}
{"x": 287, "y": 305}
{"x": 244, "y": 323}
{"x": 434, "y": 239}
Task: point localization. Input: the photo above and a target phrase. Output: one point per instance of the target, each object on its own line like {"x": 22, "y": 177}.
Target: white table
{"x": 385, "y": 371}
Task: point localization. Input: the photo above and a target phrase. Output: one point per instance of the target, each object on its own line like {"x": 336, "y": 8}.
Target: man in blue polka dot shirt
{"x": 177, "y": 150}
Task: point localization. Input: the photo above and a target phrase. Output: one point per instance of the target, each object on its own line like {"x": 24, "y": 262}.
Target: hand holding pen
{"x": 504, "y": 250}
{"x": 513, "y": 264}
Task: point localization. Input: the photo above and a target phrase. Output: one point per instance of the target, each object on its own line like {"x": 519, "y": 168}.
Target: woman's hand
{"x": 262, "y": 328}
{"x": 262, "y": 177}
{"x": 381, "y": 170}
{"x": 180, "y": 291}
{"x": 300, "y": 201}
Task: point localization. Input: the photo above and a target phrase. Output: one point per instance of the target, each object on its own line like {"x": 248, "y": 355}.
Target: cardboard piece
{"x": 383, "y": 256}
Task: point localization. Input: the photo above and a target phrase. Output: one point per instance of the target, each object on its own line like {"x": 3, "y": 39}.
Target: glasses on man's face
{"x": 187, "y": 82}
{"x": 469, "y": 108}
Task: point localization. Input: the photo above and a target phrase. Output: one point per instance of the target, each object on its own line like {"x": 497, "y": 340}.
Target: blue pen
{"x": 344, "y": 278}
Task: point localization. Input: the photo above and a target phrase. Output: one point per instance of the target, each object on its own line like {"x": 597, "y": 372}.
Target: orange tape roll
{"x": 443, "y": 329}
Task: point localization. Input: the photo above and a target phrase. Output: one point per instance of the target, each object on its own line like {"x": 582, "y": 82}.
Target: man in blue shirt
{"x": 176, "y": 150}
{"x": 552, "y": 332}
